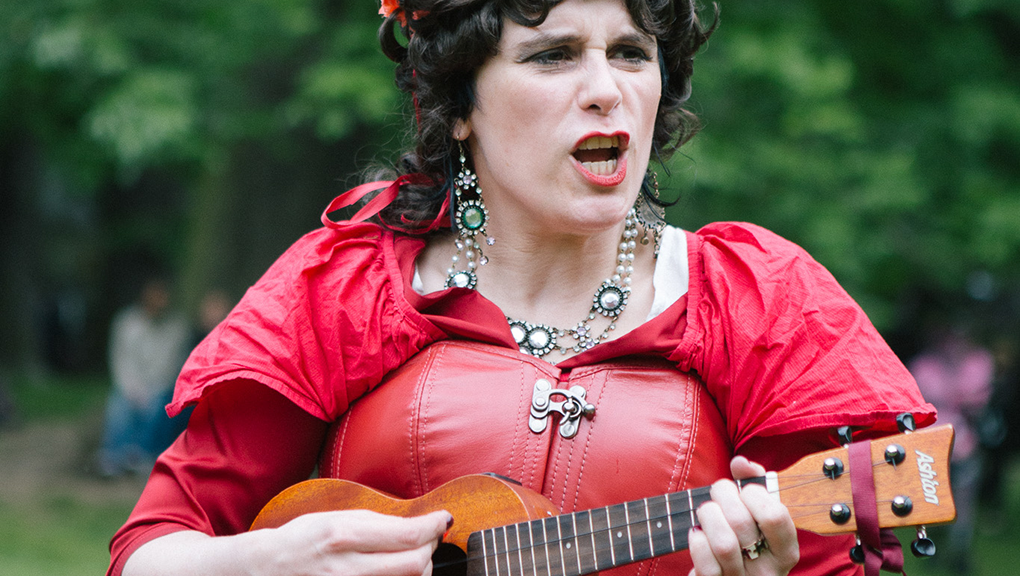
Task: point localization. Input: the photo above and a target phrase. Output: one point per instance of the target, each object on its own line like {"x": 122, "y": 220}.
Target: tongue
{"x": 597, "y": 155}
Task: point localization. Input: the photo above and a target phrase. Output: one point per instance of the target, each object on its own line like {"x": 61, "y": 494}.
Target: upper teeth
{"x": 596, "y": 142}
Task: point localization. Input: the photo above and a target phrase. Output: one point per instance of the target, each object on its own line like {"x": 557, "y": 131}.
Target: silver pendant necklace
{"x": 609, "y": 301}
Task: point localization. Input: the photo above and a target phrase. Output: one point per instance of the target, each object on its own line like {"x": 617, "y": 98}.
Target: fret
{"x": 679, "y": 518}
{"x": 512, "y": 550}
{"x": 539, "y": 546}
{"x": 603, "y": 540}
{"x": 585, "y": 545}
{"x": 637, "y": 525}
{"x": 659, "y": 526}
{"x": 476, "y": 557}
{"x": 619, "y": 534}
{"x": 568, "y": 545}
{"x": 669, "y": 520}
{"x": 500, "y": 550}
{"x": 551, "y": 530}
{"x": 594, "y": 546}
{"x": 691, "y": 507}
{"x": 525, "y": 549}
{"x": 648, "y": 526}
{"x": 489, "y": 552}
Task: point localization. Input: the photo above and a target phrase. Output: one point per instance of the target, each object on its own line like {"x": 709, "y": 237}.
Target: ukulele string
{"x": 683, "y": 512}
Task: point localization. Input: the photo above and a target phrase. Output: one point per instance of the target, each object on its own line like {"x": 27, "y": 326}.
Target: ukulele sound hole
{"x": 449, "y": 560}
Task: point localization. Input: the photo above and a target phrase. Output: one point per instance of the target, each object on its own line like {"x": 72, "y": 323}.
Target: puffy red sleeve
{"x": 244, "y": 444}
{"x": 321, "y": 327}
{"x": 781, "y": 346}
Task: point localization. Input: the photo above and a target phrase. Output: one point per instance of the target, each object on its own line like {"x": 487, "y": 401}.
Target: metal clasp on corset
{"x": 571, "y": 409}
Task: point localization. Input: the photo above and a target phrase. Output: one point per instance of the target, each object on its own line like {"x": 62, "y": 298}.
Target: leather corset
{"x": 462, "y": 407}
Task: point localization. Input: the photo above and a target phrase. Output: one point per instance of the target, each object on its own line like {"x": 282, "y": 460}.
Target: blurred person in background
{"x": 148, "y": 344}
{"x": 212, "y": 309}
{"x": 955, "y": 374}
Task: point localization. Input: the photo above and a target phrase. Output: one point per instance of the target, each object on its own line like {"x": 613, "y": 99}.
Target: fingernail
{"x": 449, "y": 523}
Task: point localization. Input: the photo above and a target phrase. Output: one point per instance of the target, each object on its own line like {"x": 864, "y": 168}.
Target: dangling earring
{"x": 469, "y": 219}
{"x": 651, "y": 215}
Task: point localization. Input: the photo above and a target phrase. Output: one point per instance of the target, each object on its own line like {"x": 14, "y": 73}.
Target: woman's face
{"x": 564, "y": 114}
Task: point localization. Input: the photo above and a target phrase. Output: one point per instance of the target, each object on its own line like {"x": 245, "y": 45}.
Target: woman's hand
{"x": 354, "y": 543}
{"x": 734, "y": 520}
{"x": 348, "y": 542}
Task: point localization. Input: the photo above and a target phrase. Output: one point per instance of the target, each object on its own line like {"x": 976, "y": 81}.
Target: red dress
{"x": 763, "y": 356}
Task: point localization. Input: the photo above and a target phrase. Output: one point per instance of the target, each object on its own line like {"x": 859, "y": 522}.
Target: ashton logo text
{"x": 928, "y": 482}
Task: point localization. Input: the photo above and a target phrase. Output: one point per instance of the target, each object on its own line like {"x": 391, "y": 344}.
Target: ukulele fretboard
{"x": 589, "y": 541}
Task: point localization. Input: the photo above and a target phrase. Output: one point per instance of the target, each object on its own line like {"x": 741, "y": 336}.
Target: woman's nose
{"x": 600, "y": 91}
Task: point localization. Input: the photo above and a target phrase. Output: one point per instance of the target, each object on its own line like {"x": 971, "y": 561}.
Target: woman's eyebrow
{"x": 640, "y": 39}
{"x": 542, "y": 41}
{"x": 545, "y": 40}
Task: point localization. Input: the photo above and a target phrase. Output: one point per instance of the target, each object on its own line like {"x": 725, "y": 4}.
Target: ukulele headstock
{"x": 911, "y": 477}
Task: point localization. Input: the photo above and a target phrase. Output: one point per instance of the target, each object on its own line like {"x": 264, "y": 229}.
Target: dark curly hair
{"x": 438, "y": 46}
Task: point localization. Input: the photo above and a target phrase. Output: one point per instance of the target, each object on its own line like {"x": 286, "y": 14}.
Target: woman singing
{"x": 517, "y": 258}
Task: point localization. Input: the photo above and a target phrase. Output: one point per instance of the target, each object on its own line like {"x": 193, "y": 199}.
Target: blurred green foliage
{"x": 883, "y": 135}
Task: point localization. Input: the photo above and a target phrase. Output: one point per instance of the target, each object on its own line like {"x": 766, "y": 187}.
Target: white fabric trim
{"x": 672, "y": 275}
{"x": 416, "y": 284}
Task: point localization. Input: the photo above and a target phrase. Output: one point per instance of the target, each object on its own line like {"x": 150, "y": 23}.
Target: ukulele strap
{"x": 882, "y": 548}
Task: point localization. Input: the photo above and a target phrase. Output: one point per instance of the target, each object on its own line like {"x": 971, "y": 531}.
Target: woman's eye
{"x": 553, "y": 56}
{"x": 632, "y": 54}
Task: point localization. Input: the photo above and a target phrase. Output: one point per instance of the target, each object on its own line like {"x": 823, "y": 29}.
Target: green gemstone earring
{"x": 470, "y": 218}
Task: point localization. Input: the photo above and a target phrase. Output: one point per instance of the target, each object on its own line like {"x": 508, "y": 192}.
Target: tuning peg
{"x": 905, "y": 422}
{"x": 857, "y": 553}
{"x": 845, "y": 435}
{"x": 922, "y": 547}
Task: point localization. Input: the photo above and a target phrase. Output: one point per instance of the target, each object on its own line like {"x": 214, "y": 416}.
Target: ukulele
{"x": 504, "y": 528}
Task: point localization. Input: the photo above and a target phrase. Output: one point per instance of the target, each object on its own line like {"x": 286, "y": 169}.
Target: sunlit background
{"x": 199, "y": 139}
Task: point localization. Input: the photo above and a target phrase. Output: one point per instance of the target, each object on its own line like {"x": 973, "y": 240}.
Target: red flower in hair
{"x": 389, "y": 7}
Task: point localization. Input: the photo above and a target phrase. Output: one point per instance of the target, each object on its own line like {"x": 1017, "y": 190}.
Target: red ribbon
{"x": 881, "y": 547}
{"x": 390, "y": 190}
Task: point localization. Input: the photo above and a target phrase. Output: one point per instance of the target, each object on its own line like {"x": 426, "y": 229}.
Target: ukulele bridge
{"x": 571, "y": 409}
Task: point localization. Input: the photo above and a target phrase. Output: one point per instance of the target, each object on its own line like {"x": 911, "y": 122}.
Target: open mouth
{"x": 599, "y": 154}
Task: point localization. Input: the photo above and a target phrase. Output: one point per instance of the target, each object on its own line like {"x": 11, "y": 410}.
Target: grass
{"x": 56, "y": 519}
{"x": 59, "y": 535}
{"x": 63, "y": 526}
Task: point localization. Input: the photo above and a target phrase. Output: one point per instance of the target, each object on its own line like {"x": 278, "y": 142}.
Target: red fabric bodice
{"x": 463, "y": 407}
